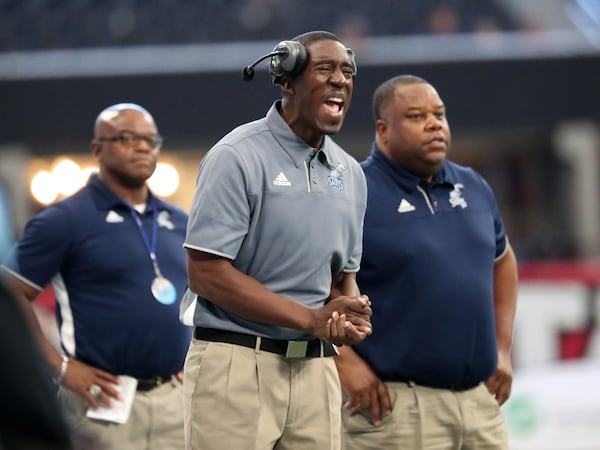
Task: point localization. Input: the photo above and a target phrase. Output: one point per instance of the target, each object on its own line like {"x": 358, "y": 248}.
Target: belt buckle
{"x": 296, "y": 349}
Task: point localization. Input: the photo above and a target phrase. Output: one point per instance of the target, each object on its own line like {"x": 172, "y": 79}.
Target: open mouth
{"x": 334, "y": 105}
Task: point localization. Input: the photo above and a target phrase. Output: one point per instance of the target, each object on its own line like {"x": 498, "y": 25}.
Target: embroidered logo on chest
{"x": 405, "y": 206}
{"x": 335, "y": 178}
{"x": 113, "y": 217}
{"x": 281, "y": 180}
{"x": 164, "y": 220}
{"x": 456, "y": 198}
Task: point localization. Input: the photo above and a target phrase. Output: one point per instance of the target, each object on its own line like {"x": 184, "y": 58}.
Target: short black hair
{"x": 384, "y": 93}
{"x": 312, "y": 36}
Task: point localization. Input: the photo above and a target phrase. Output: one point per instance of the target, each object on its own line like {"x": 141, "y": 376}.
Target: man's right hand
{"x": 80, "y": 377}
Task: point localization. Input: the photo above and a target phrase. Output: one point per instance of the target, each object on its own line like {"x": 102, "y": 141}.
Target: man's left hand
{"x": 500, "y": 383}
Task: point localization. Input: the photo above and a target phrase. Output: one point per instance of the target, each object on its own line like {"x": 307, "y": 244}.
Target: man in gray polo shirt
{"x": 274, "y": 243}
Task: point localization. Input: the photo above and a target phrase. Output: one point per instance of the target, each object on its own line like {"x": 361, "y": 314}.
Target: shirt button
{"x": 314, "y": 180}
{"x": 435, "y": 204}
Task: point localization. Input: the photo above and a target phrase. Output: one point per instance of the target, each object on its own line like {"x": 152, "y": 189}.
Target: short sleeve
{"x": 40, "y": 252}
{"x": 220, "y": 212}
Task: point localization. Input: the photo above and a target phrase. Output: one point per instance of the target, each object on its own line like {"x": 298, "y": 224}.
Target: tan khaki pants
{"x": 155, "y": 421}
{"x": 243, "y": 399}
{"x": 430, "y": 419}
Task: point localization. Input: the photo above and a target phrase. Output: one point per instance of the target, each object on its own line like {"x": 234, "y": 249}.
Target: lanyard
{"x": 150, "y": 245}
{"x": 162, "y": 289}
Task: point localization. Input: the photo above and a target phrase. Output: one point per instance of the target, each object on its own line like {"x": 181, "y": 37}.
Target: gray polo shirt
{"x": 285, "y": 214}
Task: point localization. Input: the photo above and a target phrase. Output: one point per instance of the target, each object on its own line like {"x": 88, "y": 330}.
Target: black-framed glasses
{"x": 130, "y": 139}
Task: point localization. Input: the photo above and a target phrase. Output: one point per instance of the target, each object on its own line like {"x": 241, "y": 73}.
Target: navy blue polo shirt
{"x": 428, "y": 266}
{"x": 90, "y": 248}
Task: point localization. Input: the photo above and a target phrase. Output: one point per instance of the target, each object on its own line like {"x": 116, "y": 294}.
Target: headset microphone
{"x": 248, "y": 72}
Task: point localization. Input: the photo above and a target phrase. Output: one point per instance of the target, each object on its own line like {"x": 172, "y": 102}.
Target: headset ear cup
{"x": 296, "y": 64}
{"x": 291, "y": 63}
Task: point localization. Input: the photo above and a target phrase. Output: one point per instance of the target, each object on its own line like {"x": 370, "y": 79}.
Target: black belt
{"x": 461, "y": 387}
{"x": 290, "y": 349}
{"x": 147, "y": 384}
{"x": 451, "y": 387}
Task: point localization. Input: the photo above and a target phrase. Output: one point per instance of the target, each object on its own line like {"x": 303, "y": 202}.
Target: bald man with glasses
{"x": 113, "y": 253}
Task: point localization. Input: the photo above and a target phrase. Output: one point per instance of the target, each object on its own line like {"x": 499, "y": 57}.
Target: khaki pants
{"x": 155, "y": 421}
{"x": 430, "y": 419}
{"x": 243, "y": 399}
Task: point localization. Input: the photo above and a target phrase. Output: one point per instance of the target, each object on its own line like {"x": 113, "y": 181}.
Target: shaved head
{"x": 126, "y": 145}
{"x": 109, "y": 116}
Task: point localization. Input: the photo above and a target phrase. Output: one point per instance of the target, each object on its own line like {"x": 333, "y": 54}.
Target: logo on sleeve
{"x": 405, "y": 206}
{"x": 456, "y": 198}
{"x": 281, "y": 180}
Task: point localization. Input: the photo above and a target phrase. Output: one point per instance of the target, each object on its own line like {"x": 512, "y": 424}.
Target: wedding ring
{"x": 94, "y": 390}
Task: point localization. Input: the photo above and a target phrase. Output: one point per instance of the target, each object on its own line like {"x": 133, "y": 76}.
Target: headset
{"x": 288, "y": 58}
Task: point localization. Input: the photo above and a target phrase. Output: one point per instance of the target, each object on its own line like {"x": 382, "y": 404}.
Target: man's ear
{"x": 96, "y": 148}
{"x": 381, "y": 130}
{"x": 287, "y": 86}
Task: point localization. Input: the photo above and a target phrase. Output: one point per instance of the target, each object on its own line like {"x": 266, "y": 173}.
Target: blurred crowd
{"x": 51, "y": 24}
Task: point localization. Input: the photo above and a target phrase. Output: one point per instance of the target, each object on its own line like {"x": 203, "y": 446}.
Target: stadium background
{"x": 520, "y": 81}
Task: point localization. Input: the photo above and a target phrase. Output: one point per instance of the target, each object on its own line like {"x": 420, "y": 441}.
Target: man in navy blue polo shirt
{"x": 442, "y": 276}
{"x": 113, "y": 253}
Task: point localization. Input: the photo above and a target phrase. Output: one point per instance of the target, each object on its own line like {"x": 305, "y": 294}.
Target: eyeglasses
{"x": 130, "y": 139}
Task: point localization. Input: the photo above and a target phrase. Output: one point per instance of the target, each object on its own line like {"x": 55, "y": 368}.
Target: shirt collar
{"x": 298, "y": 150}
{"x": 105, "y": 199}
{"x": 406, "y": 179}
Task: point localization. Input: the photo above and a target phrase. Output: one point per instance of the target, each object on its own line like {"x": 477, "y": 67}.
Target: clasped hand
{"x": 345, "y": 320}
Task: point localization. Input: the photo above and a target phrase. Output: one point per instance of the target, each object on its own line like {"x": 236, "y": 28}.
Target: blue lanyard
{"x": 150, "y": 246}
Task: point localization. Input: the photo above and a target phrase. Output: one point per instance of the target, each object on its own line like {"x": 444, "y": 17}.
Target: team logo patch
{"x": 456, "y": 198}
{"x": 164, "y": 220}
{"x": 335, "y": 178}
